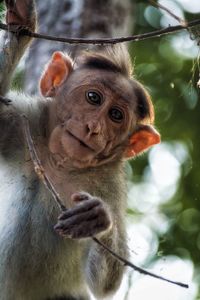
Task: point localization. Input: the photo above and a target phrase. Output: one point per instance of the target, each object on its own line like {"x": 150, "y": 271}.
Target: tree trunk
{"x": 73, "y": 18}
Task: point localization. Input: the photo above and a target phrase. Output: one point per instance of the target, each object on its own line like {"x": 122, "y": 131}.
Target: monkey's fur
{"x": 38, "y": 260}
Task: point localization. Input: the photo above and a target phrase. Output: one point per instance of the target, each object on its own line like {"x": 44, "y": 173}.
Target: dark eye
{"x": 94, "y": 98}
{"x": 116, "y": 114}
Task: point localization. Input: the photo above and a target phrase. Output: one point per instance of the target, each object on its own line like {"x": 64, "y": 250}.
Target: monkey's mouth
{"x": 81, "y": 142}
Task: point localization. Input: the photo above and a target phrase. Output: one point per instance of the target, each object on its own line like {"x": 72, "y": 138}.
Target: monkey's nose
{"x": 93, "y": 127}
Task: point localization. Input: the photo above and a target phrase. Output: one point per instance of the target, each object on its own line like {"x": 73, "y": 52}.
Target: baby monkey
{"x": 91, "y": 117}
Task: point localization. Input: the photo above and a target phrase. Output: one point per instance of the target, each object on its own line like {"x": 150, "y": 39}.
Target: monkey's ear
{"x": 55, "y": 74}
{"x": 145, "y": 137}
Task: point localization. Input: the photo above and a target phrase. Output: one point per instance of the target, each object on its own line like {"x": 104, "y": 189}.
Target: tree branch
{"x": 41, "y": 173}
{"x": 158, "y": 5}
{"x": 37, "y": 164}
{"x": 100, "y": 41}
{"x": 136, "y": 268}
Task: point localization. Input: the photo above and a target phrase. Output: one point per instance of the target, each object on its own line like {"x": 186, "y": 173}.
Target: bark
{"x": 73, "y": 18}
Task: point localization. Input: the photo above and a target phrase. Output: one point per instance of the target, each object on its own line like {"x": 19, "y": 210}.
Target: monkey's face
{"x": 95, "y": 112}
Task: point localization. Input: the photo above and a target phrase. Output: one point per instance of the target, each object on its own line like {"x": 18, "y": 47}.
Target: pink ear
{"x": 141, "y": 140}
{"x": 55, "y": 74}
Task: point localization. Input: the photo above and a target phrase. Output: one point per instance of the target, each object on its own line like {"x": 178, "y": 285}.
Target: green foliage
{"x": 1, "y": 11}
{"x": 172, "y": 79}
{"x": 18, "y": 80}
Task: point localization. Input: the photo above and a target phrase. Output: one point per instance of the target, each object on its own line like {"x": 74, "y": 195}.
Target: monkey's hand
{"x": 21, "y": 13}
{"x": 89, "y": 217}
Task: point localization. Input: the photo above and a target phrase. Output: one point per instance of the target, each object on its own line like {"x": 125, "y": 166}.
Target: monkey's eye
{"x": 116, "y": 114}
{"x": 94, "y": 98}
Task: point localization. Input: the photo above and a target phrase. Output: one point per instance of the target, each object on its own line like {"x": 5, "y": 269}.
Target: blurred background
{"x": 164, "y": 184}
{"x": 163, "y": 215}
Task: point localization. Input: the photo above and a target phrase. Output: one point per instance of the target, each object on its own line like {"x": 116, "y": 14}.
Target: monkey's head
{"x": 101, "y": 113}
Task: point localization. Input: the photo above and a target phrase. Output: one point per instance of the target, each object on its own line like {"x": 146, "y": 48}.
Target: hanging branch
{"x": 180, "y": 20}
{"x": 193, "y": 35}
{"x": 100, "y": 41}
{"x": 38, "y": 166}
{"x": 41, "y": 173}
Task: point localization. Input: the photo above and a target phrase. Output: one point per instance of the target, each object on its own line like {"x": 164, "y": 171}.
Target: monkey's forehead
{"x": 104, "y": 80}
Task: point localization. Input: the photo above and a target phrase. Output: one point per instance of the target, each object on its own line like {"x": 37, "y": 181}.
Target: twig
{"x": 136, "y": 268}
{"x": 41, "y": 173}
{"x": 37, "y": 163}
{"x": 158, "y": 5}
{"x": 101, "y": 41}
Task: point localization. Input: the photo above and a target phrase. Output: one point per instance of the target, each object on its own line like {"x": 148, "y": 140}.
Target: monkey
{"x": 91, "y": 116}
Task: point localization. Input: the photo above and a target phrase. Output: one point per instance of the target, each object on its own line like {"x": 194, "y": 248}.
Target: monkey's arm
{"x": 105, "y": 220}
{"x": 104, "y": 272}
{"x": 20, "y": 13}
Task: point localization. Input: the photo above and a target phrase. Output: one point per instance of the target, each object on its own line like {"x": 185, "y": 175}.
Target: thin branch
{"x": 41, "y": 173}
{"x": 101, "y": 41}
{"x": 37, "y": 164}
{"x": 136, "y": 268}
{"x": 183, "y": 23}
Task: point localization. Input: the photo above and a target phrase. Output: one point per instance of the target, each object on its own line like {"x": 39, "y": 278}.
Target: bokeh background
{"x": 164, "y": 184}
{"x": 163, "y": 216}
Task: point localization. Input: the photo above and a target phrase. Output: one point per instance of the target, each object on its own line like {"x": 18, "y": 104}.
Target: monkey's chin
{"x": 81, "y": 162}
{"x": 79, "y": 154}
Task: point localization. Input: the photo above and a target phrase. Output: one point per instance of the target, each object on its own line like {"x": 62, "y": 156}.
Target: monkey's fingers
{"x": 5, "y": 101}
{"x": 80, "y": 196}
{"x": 79, "y": 208}
{"x": 10, "y": 3}
{"x": 20, "y": 12}
{"x": 86, "y": 229}
{"x": 77, "y": 219}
